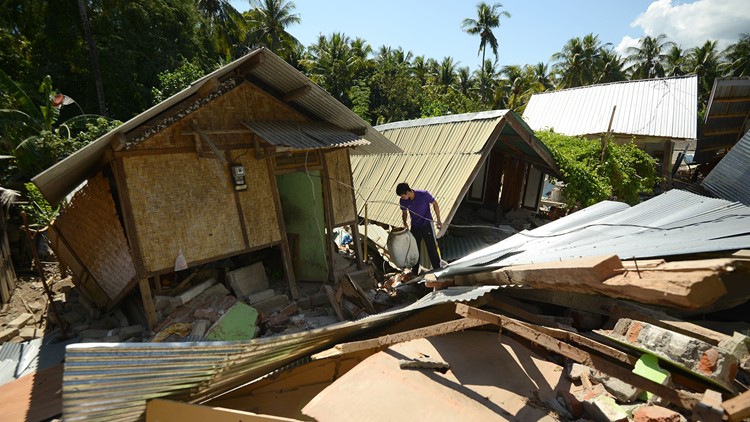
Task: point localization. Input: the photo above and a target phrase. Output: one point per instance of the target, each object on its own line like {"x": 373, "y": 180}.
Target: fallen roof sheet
{"x": 662, "y": 107}
{"x": 113, "y": 381}
{"x": 273, "y": 72}
{"x": 673, "y": 223}
{"x": 730, "y": 179}
{"x": 442, "y": 155}
{"x": 727, "y": 119}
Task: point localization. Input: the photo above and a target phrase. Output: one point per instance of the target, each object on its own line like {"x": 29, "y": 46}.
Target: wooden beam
{"x": 219, "y": 132}
{"x": 359, "y": 131}
{"x": 679, "y": 398}
{"x": 204, "y": 137}
{"x": 208, "y": 86}
{"x": 252, "y": 63}
{"x": 148, "y": 302}
{"x": 738, "y": 408}
{"x": 731, "y": 99}
{"x": 296, "y": 93}
{"x": 722, "y": 132}
{"x": 390, "y": 339}
{"x": 286, "y": 254}
{"x": 727, "y": 115}
{"x": 119, "y": 142}
{"x": 160, "y": 410}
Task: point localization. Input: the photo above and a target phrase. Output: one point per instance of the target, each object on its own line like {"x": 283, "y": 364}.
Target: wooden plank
{"x": 507, "y": 305}
{"x": 148, "y": 302}
{"x": 738, "y": 408}
{"x": 332, "y": 249}
{"x": 286, "y": 254}
{"x": 390, "y": 339}
{"x": 160, "y": 410}
{"x": 297, "y": 93}
{"x": 334, "y": 303}
{"x": 682, "y": 399}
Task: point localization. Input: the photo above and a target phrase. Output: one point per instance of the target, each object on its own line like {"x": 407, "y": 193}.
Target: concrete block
{"x": 739, "y": 346}
{"x": 621, "y": 390}
{"x": 248, "y": 280}
{"x": 709, "y": 408}
{"x": 132, "y": 331}
{"x": 21, "y": 320}
{"x": 199, "y": 328}
{"x": 8, "y": 333}
{"x": 604, "y": 409}
{"x": 655, "y": 414}
{"x": 121, "y": 318}
{"x": 261, "y": 296}
{"x": 576, "y": 370}
{"x": 94, "y": 333}
{"x": 208, "y": 314}
{"x": 268, "y": 306}
{"x": 191, "y": 293}
{"x": 28, "y": 333}
{"x": 238, "y": 323}
{"x": 694, "y": 355}
{"x": 216, "y": 289}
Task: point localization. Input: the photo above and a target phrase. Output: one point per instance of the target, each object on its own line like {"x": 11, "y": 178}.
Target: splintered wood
{"x": 682, "y": 284}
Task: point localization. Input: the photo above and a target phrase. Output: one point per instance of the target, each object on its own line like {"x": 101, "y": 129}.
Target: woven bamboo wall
{"x": 227, "y": 112}
{"x": 7, "y": 274}
{"x": 91, "y": 226}
{"x": 180, "y": 202}
{"x": 258, "y": 205}
{"x": 340, "y": 184}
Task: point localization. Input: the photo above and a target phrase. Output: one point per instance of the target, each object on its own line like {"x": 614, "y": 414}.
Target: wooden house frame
{"x": 205, "y": 176}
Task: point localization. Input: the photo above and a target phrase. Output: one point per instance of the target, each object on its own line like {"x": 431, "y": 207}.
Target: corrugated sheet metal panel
{"x": 307, "y": 135}
{"x": 113, "y": 381}
{"x": 726, "y": 117}
{"x": 664, "y": 107}
{"x": 730, "y": 179}
{"x": 674, "y": 223}
{"x": 60, "y": 179}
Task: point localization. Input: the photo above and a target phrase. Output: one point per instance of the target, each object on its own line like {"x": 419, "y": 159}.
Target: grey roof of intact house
{"x": 673, "y": 223}
{"x": 662, "y": 108}
{"x": 272, "y": 72}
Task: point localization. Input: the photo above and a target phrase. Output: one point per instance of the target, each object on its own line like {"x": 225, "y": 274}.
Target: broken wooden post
{"x": 148, "y": 302}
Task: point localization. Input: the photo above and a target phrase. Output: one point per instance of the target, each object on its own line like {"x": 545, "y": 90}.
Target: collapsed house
{"x": 658, "y": 115}
{"x": 250, "y": 157}
{"x": 474, "y": 163}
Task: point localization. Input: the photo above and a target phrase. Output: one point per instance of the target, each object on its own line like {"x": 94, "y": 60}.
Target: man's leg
{"x": 431, "y": 244}
{"x": 418, "y": 234}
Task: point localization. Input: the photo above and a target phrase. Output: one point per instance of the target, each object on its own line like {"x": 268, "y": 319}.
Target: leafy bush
{"x": 624, "y": 174}
{"x": 39, "y": 212}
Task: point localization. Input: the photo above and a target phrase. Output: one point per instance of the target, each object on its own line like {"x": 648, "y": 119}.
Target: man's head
{"x": 404, "y": 191}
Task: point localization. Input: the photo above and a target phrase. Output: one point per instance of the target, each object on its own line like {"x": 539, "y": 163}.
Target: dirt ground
{"x": 29, "y": 297}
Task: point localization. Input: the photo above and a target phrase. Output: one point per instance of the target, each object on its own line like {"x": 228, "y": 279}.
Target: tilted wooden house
{"x": 251, "y": 156}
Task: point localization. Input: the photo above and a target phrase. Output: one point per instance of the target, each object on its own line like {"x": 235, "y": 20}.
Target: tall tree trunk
{"x": 484, "y": 81}
{"x": 93, "y": 57}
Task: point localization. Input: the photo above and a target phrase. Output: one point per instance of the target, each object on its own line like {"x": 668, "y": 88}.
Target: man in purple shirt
{"x": 417, "y": 202}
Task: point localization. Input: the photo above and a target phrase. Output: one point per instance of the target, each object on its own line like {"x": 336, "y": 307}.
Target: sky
{"x": 536, "y": 29}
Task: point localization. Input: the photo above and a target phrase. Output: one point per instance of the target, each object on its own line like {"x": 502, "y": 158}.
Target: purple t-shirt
{"x": 419, "y": 208}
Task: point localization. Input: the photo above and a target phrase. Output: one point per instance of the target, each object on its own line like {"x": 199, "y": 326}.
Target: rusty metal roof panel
{"x": 730, "y": 179}
{"x": 113, "y": 381}
{"x": 664, "y": 107}
{"x": 304, "y": 135}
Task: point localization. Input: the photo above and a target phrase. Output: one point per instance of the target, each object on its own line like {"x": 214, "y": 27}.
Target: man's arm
{"x": 436, "y": 207}
{"x": 403, "y": 217}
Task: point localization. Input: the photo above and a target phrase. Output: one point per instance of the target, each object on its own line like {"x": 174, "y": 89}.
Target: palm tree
{"x": 579, "y": 61}
{"x": 420, "y": 69}
{"x": 447, "y": 72}
{"x": 488, "y": 18}
{"x": 331, "y": 63}
{"x": 464, "y": 81}
{"x": 521, "y": 84}
{"x": 738, "y": 57}
{"x": 224, "y": 23}
{"x": 704, "y": 62}
{"x": 649, "y": 57}
{"x": 541, "y": 74}
{"x": 612, "y": 67}
{"x": 675, "y": 61}
{"x": 268, "y": 20}
{"x": 488, "y": 80}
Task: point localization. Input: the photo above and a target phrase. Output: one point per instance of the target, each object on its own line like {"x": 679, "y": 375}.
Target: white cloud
{"x": 627, "y": 42}
{"x": 690, "y": 24}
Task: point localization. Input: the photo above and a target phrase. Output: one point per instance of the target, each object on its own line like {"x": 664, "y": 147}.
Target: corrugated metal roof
{"x": 113, "y": 381}
{"x": 664, "y": 108}
{"x": 441, "y": 155}
{"x": 674, "y": 223}
{"x": 305, "y": 135}
{"x": 727, "y": 115}
{"x": 730, "y": 179}
{"x": 273, "y": 72}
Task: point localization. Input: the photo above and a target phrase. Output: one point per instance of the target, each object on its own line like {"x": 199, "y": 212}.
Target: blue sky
{"x": 536, "y": 29}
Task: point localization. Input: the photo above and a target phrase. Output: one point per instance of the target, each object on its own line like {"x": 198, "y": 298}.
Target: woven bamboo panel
{"x": 7, "y": 274}
{"x": 258, "y": 205}
{"x": 92, "y": 228}
{"x": 340, "y": 184}
{"x": 83, "y": 278}
{"x": 180, "y": 202}
{"x": 227, "y": 112}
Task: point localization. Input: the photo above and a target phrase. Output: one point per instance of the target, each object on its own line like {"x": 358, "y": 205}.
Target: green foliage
{"x": 39, "y": 212}
{"x": 624, "y": 174}
{"x": 172, "y": 82}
